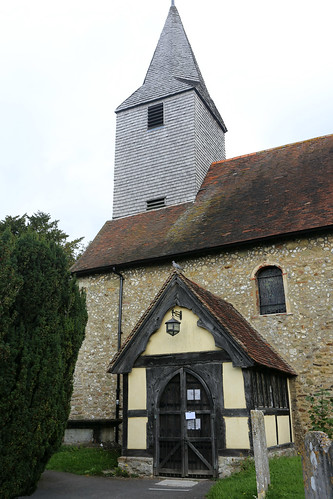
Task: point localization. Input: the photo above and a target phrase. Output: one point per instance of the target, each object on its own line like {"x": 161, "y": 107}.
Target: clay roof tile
{"x": 283, "y": 191}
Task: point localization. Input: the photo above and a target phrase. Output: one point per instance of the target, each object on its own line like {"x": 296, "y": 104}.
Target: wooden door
{"x": 184, "y": 429}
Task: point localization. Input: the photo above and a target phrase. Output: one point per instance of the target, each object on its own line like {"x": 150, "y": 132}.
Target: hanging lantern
{"x": 173, "y": 325}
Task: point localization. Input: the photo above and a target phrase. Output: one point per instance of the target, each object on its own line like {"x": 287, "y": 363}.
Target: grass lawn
{"x": 84, "y": 460}
{"x": 286, "y": 481}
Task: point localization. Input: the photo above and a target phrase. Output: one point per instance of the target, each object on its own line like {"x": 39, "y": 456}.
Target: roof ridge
{"x": 283, "y": 146}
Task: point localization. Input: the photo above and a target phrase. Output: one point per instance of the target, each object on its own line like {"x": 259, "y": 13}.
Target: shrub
{"x": 321, "y": 412}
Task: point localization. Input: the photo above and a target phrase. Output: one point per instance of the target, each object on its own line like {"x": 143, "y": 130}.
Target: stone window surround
{"x": 269, "y": 263}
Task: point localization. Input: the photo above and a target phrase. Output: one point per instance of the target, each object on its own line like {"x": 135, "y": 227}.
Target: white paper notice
{"x": 190, "y": 394}
{"x": 191, "y": 424}
{"x": 189, "y": 415}
{"x": 194, "y": 424}
{"x": 193, "y": 394}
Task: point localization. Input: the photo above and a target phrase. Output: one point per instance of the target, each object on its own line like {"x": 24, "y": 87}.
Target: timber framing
{"x": 264, "y": 374}
{"x": 231, "y": 332}
{"x": 182, "y": 359}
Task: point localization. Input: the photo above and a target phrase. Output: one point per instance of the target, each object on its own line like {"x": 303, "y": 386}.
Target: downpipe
{"x": 120, "y": 312}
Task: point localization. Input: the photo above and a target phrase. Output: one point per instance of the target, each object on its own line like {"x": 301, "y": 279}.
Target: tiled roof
{"x": 281, "y": 191}
{"x": 230, "y": 320}
{"x": 173, "y": 69}
{"x": 241, "y": 331}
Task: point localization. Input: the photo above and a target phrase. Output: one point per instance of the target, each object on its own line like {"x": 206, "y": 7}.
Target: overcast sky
{"x": 65, "y": 65}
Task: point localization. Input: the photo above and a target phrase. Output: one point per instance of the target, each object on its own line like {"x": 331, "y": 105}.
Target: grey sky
{"x": 66, "y": 65}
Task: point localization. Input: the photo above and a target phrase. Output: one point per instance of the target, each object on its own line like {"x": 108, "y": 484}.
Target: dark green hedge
{"x": 42, "y": 323}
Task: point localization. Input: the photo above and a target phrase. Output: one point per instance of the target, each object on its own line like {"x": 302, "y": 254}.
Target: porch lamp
{"x": 173, "y": 325}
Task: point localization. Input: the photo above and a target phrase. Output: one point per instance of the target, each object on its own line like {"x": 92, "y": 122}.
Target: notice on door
{"x": 193, "y": 394}
{"x": 194, "y": 424}
{"x": 189, "y": 415}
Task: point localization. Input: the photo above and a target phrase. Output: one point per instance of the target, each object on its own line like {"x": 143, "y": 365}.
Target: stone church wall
{"x": 303, "y": 336}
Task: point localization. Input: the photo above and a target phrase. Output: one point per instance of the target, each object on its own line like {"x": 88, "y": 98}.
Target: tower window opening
{"x": 155, "y": 116}
{"x": 154, "y": 204}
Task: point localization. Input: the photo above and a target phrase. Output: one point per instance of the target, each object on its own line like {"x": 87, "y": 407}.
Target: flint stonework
{"x": 142, "y": 466}
{"x": 302, "y": 336}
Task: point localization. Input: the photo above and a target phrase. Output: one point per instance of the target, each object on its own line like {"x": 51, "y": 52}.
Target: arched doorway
{"x": 185, "y": 443}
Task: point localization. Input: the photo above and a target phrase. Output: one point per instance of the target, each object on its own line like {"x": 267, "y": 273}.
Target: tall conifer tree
{"x": 42, "y": 323}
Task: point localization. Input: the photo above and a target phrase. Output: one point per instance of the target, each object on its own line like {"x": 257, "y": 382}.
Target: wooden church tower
{"x": 168, "y": 132}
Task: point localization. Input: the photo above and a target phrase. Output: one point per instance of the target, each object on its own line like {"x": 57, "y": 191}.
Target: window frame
{"x": 270, "y": 390}
{"x": 256, "y": 292}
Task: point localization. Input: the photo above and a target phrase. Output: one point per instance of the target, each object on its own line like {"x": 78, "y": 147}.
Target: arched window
{"x": 271, "y": 290}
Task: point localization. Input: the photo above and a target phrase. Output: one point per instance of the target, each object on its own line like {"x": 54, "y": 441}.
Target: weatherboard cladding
{"x": 147, "y": 162}
{"x": 209, "y": 140}
{"x": 169, "y": 161}
{"x": 280, "y": 191}
{"x": 229, "y": 319}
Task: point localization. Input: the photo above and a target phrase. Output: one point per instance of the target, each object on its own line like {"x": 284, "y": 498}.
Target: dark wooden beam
{"x": 182, "y": 359}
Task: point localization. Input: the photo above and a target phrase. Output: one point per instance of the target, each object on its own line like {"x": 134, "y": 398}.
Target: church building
{"x": 209, "y": 293}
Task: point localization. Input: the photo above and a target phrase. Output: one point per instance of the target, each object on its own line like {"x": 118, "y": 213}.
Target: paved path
{"x": 56, "y": 485}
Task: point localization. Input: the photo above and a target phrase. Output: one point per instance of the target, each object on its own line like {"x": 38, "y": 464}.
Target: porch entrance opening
{"x": 185, "y": 428}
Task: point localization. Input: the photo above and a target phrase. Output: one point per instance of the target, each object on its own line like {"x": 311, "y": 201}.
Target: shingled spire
{"x": 169, "y": 131}
{"x": 173, "y": 69}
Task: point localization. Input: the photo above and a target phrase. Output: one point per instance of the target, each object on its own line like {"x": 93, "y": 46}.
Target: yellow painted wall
{"x": 233, "y": 387}
{"x": 137, "y": 433}
{"x": 237, "y": 433}
{"x": 270, "y": 430}
{"x": 190, "y": 339}
{"x": 283, "y": 429}
{"x": 137, "y": 389}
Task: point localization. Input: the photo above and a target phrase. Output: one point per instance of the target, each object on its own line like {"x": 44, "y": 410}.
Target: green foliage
{"x": 321, "y": 412}
{"x": 120, "y": 472}
{"x": 84, "y": 460}
{"x": 286, "y": 481}
{"x": 40, "y": 223}
{"x": 247, "y": 464}
{"x": 42, "y": 323}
